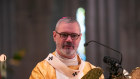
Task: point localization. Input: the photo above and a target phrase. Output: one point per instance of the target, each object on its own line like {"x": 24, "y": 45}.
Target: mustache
{"x": 68, "y": 44}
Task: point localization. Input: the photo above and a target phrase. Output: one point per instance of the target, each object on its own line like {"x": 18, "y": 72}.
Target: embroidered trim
{"x": 61, "y": 67}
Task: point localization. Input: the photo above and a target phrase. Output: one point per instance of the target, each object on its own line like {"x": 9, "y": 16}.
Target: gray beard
{"x": 67, "y": 52}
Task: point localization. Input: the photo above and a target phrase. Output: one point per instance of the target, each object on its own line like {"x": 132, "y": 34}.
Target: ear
{"x": 54, "y": 35}
{"x": 79, "y": 39}
{"x": 80, "y": 36}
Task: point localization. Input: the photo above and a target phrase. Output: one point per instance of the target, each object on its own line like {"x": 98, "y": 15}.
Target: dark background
{"x": 27, "y": 25}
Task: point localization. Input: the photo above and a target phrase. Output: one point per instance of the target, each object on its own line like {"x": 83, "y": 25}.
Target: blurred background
{"x": 26, "y": 31}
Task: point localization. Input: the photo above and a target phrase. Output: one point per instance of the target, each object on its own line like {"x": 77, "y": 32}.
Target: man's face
{"x": 64, "y": 36}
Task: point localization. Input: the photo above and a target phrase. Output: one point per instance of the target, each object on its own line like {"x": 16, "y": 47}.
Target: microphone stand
{"x": 115, "y": 69}
{"x": 106, "y": 47}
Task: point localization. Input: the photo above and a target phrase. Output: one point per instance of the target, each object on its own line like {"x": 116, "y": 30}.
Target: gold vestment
{"x": 43, "y": 70}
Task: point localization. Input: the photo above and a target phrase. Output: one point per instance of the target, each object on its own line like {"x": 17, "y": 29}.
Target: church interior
{"x": 26, "y": 32}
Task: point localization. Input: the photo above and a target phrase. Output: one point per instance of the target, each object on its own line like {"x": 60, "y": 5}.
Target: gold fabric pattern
{"x": 43, "y": 70}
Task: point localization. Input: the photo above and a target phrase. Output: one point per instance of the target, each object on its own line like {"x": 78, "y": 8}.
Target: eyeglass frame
{"x": 63, "y": 37}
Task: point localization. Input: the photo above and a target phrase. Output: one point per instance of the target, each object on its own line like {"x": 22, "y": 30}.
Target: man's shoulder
{"x": 42, "y": 69}
{"x": 88, "y": 64}
{"x": 43, "y": 64}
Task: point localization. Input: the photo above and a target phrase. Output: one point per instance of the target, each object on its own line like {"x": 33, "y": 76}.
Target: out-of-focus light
{"x": 80, "y": 16}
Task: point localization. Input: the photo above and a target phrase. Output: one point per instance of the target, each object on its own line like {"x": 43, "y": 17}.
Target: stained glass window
{"x": 80, "y": 16}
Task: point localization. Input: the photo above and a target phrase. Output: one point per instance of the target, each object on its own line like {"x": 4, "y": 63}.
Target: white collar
{"x": 68, "y": 62}
{"x": 62, "y": 68}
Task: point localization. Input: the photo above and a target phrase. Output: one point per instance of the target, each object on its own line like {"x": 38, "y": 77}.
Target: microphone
{"x": 86, "y": 44}
{"x": 112, "y": 61}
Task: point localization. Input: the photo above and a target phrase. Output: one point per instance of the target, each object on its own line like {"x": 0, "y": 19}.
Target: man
{"x": 64, "y": 62}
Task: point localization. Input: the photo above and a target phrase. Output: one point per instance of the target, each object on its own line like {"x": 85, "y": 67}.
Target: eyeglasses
{"x": 64, "y": 35}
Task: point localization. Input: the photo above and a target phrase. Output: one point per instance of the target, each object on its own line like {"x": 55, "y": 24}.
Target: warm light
{"x": 2, "y": 57}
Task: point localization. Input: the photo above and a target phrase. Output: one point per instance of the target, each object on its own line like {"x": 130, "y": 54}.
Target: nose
{"x": 69, "y": 39}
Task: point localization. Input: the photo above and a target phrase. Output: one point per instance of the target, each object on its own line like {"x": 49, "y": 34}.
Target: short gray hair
{"x": 67, "y": 20}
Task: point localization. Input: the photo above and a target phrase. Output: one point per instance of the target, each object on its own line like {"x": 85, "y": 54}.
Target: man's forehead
{"x": 69, "y": 27}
